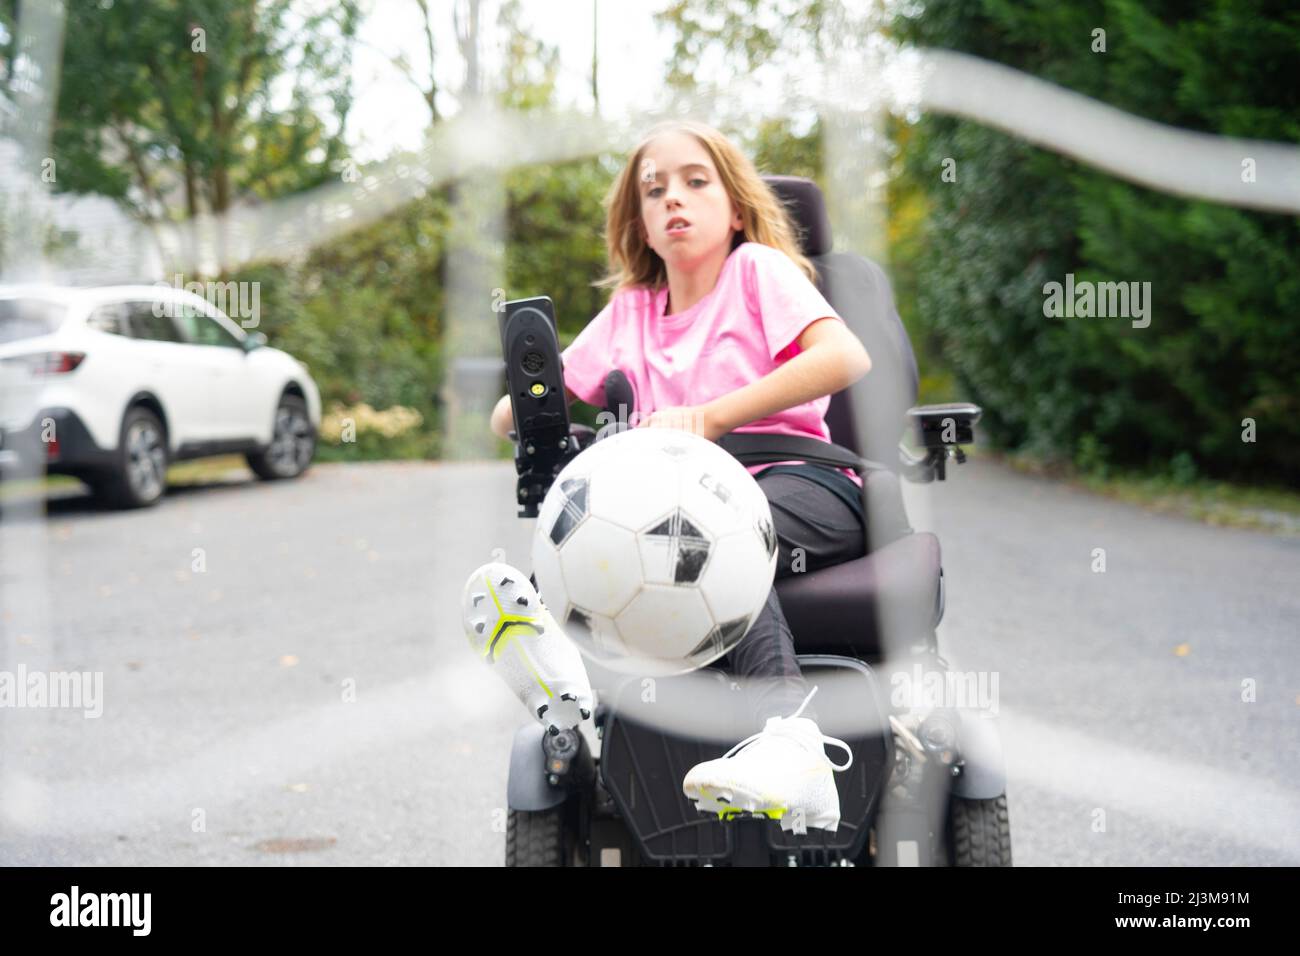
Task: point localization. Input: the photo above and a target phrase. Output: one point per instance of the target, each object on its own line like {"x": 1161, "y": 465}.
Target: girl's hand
{"x": 697, "y": 419}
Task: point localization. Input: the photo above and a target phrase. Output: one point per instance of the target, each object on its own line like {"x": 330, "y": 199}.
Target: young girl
{"x": 717, "y": 323}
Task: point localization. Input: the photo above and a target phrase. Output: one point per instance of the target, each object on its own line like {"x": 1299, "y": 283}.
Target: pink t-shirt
{"x": 738, "y": 333}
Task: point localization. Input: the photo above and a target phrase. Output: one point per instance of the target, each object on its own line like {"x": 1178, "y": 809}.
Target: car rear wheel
{"x": 139, "y": 478}
{"x": 293, "y": 443}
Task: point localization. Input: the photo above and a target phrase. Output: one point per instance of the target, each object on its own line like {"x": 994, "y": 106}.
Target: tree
{"x": 1219, "y": 350}
{"x": 166, "y": 97}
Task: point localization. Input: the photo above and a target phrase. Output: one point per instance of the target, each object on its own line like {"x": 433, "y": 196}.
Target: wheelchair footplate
{"x": 642, "y": 766}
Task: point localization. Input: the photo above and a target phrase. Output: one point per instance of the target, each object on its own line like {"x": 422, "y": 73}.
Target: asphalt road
{"x": 285, "y": 680}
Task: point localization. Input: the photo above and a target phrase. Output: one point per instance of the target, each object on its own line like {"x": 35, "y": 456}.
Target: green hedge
{"x": 1225, "y": 282}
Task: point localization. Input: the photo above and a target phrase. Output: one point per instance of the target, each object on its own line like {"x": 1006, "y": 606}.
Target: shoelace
{"x": 825, "y": 738}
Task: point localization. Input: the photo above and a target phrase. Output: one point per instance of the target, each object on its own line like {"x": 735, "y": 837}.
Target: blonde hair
{"x": 764, "y": 218}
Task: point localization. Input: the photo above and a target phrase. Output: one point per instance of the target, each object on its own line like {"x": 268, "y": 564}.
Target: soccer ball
{"x": 655, "y": 551}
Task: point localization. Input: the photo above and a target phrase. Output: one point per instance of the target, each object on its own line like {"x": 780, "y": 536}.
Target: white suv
{"x": 112, "y": 384}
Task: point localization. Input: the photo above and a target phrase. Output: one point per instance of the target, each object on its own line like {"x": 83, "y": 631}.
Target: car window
{"x": 155, "y": 328}
{"x": 110, "y": 318}
{"x": 202, "y": 329}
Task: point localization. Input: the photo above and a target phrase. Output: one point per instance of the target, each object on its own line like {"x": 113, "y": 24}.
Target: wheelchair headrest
{"x": 807, "y": 209}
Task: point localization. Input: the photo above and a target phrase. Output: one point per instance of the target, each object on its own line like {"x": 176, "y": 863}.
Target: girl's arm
{"x": 832, "y": 358}
{"x": 502, "y": 419}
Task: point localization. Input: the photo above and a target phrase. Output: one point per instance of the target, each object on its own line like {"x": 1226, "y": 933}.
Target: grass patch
{"x": 197, "y": 472}
{"x": 13, "y": 490}
{"x": 202, "y": 471}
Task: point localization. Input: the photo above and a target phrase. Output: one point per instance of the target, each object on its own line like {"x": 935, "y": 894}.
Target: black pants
{"x": 807, "y": 515}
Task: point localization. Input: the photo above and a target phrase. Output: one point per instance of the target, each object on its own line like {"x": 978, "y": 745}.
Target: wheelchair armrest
{"x": 941, "y": 430}
{"x": 939, "y": 426}
{"x": 946, "y": 427}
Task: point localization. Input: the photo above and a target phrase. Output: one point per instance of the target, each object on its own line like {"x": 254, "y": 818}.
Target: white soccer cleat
{"x": 509, "y": 627}
{"x": 782, "y": 772}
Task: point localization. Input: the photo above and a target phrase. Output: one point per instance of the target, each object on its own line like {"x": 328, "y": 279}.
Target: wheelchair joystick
{"x": 535, "y": 383}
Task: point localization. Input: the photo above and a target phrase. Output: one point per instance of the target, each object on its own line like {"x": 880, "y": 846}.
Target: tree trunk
{"x": 191, "y": 189}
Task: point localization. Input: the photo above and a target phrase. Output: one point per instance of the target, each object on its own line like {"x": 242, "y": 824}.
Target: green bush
{"x": 1220, "y": 347}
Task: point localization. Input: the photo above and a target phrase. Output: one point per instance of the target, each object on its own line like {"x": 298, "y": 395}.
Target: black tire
{"x": 979, "y": 832}
{"x": 538, "y": 838}
{"x": 139, "y": 478}
{"x": 293, "y": 443}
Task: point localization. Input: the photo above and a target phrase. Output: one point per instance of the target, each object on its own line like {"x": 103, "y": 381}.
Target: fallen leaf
{"x": 296, "y": 844}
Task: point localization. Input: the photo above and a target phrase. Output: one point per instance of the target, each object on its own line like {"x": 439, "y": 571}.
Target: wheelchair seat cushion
{"x": 852, "y": 608}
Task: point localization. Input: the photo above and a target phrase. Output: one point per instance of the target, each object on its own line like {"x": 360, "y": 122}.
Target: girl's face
{"x": 678, "y": 181}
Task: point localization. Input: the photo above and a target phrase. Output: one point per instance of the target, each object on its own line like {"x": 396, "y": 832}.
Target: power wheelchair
{"x": 927, "y": 786}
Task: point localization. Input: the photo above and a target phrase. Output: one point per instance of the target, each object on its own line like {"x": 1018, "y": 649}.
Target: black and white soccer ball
{"x": 655, "y": 551}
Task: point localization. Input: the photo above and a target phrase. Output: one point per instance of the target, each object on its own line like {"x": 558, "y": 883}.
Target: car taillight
{"x": 48, "y": 363}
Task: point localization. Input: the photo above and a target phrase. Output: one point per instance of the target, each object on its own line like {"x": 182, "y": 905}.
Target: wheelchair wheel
{"x": 979, "y": 832}
{"x": 539, "y": 838}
